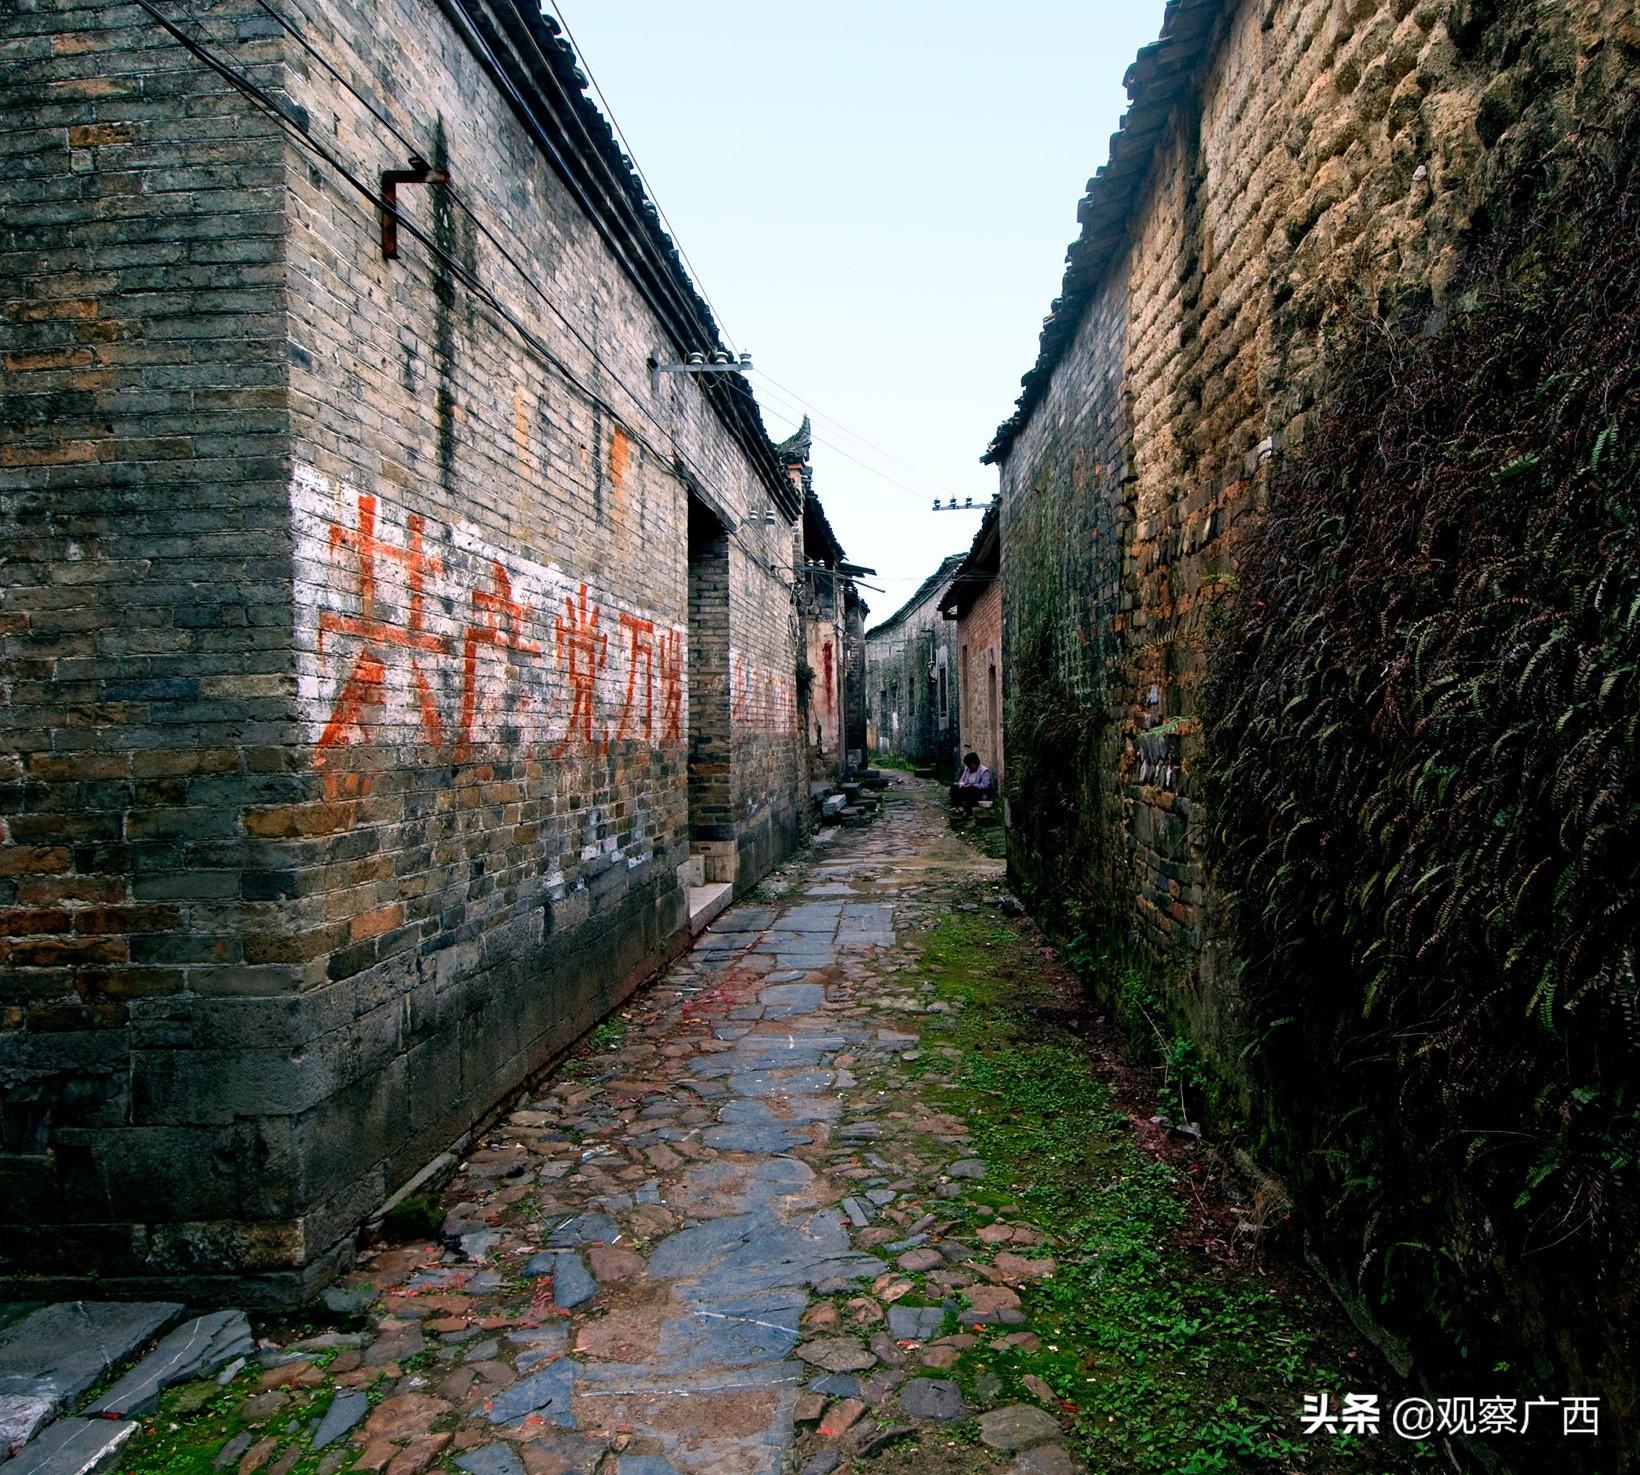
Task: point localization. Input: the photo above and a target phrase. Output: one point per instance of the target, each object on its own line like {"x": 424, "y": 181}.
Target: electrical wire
{"x": 456, "y": 199}
{"x": 779, "y": 392}
{"x": 793, "y": 396}
{"x": 848, "y": 456}
{"x": 270, "y": 105}
{"x": 654, "y": 199}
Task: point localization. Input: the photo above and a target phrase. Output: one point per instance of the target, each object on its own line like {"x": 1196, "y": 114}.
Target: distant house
{"x": 832, "y": 701}
{"x": 973, "y": 599}
{"x": 911, "y": 677}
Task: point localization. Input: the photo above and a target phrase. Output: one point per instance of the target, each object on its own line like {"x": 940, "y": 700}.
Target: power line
{"x": 791, "y": 398}
{"x": 789, "y": 405}
{"x": 783, "y": 394}
{"x": 270, "y": 105}
{"x": 454, "y": 195}
{"x": 848, "y": 456}
{"x": 802, "y": 401}
{"x": 631, "y": 154}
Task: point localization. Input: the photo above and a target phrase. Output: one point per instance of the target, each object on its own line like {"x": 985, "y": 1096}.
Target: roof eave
{"x": 1161, "y": 77}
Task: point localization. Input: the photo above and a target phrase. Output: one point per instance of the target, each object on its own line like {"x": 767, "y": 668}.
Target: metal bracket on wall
{"x": 419, "y": 172}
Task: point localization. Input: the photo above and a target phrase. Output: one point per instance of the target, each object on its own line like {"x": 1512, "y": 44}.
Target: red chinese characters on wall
{"x": 363, "y": 693}
{"x": 642, "y": 633}
{"x": 462, "y": 633}
{"x": 669, "y": 654}
{"x": 498, "y": 620}
{"x": 759, "y": 698}
{"x": 583, "y": 651}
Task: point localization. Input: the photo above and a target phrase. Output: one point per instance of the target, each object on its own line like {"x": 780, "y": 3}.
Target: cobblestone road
{"x": 714, "y": 1245}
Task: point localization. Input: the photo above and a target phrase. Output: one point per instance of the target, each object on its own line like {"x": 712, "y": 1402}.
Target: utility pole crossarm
{"x": 697, "y": 363}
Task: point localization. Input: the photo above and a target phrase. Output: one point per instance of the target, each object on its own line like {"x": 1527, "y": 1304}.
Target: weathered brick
{"x": 26, "y": 921}
{"x": 288, "y": 752}
{"x": 90, "y": 135}
{"x": 28, "y": 860}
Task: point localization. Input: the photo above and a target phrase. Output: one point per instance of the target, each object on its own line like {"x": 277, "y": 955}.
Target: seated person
{"x": 973, "y": 783}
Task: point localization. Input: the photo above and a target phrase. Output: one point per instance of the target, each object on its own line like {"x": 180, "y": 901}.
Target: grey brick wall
{"x": 346, "y": 638}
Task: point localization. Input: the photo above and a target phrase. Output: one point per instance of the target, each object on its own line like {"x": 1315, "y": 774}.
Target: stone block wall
{"x": 348, "y": 634}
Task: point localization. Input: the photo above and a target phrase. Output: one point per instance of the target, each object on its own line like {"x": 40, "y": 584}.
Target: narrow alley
{"x": 493, "y": 980}
{"x": 844, "y": 1188}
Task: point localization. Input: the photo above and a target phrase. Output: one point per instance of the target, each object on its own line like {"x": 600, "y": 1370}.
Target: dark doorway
{"x": 711, "y": 754}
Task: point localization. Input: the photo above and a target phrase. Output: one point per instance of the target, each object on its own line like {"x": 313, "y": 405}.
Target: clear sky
{"x": 877, "y": 198}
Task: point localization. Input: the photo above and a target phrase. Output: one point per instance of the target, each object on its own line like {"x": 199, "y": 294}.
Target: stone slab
{"x": 745, "y": 1253}
{"x": 547, "y": 1393}
{"x": 915, "y": 1323}
{"x": 937, "y": 1400}
{"x": 53, "y": 1355}
{"x": 74, "y": 1447}
{"x": 788, "y": 1000}
{"x": 341, "y": 1417}
{"x": 739, "y": 1331}
{"x": 572, "y": 1284}
{"x": 780, "y": 1082}
{"x": 813, "y": 916}
{"x": 1016, "y": 1427}
{"x": 744, "y": 919}
{"x": 194, "y": 1350}
{"x": 584, "y": 1229}
{"x": 767, "y": 1137}
{"x": 490, "y": 1459}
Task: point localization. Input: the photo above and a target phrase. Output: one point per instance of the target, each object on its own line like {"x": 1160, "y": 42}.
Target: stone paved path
{"x": 708, "y": 1248}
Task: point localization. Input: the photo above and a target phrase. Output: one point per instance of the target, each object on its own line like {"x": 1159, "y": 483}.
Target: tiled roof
{"x": 932, "y": 584}
{"x": 534, "y": 69}
{"x": 1162, "y": 75}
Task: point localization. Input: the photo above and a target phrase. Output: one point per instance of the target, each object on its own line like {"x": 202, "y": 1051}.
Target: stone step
{"x": 707, "y": 902}
{"x": 194, "y": 1350}
{"x": 53, "y": 1355}
{"x": 74, "y": 1447}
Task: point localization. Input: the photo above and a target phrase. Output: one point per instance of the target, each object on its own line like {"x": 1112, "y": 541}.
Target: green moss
{"x": 1165, "y": 1360}
{"x": 415, "y": 1218}
{"x": 1422, "y": 788}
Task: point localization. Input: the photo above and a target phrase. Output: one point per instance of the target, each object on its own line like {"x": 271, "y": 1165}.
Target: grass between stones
{"x": 1163, "y": 1358}
{"x": 983, "y": 830}
{"x": 187, "y": 1434}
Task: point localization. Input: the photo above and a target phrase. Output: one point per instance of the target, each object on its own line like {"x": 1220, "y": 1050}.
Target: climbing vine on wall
{"x": 1057, "y": 720}
{"x": 1426, "y": 719}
